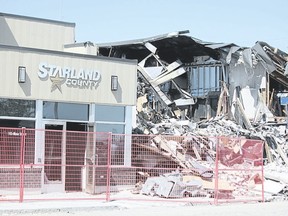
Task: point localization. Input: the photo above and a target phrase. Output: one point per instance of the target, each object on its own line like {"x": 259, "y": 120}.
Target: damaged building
{"x": 188, "y": 79}
{"x": 178, "y": 75}
{"x": 191, "y": 87}
{"x": 189, "y": 98}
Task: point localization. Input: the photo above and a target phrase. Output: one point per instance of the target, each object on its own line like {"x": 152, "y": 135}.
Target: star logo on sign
{"x": 56, "y": 83}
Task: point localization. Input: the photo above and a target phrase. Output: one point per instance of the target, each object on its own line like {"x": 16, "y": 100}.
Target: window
{"x": 110, "y": 113}
{"x": 10, "y": 146}
{"x": 114, "y": 128}
{"x": 17, "y": 108}
{"x": 118, "y": 141}
{"x": 13, "y": 123}
{"x": 65, "y": 111}
{"x": 13, "y": 113}
{"x": 112, "y": 119}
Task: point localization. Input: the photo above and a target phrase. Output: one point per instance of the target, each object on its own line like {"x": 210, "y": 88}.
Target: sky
{"x": 242, "y": 22}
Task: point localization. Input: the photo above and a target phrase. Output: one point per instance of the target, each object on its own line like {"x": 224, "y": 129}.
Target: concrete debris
{"x": 195, "y": 156}
{"x": 196, "y": 150}
{"x": 276, "y": 172}
{"x": 192, "y": 88}
{"x": 174, "y": 185}
{"x": 181, "y": 184}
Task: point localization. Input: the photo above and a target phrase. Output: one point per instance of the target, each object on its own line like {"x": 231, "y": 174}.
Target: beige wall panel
{"x": 46, "y": 89}
{"x": 36, "y": 33}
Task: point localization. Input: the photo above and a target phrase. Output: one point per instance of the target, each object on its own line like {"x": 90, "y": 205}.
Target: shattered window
{"x": 204, "y": 79}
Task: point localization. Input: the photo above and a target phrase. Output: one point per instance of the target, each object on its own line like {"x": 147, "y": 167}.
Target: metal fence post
{"x": 22, "y": 171}
{"x": 109, "y": 149}
{"x": 262, "y": 170}
{"x": 216, "y": 172}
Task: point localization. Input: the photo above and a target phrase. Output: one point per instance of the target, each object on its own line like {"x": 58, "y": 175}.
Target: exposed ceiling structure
{"x": 189, "y": 74}
{"x": 276, "y": 61}
{"x": 169, "y": 47}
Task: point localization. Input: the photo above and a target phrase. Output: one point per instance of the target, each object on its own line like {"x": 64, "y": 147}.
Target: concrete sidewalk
{"x": 54, "y": 206}
{"x": 77, "y": 205}
{"x": 127, "y": 208}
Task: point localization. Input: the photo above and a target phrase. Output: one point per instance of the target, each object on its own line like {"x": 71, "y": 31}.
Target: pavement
{"x": 127, "y": 208}
{"x": 55, "y": 205}
{"x": 77, "y": 205}
{"x": 40, "y": 205}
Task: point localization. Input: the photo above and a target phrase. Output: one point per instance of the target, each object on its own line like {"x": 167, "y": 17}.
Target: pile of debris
{"x": 189, "y": 87}
{"x": 180, "y": 185}
{"x": 175, "y": 185}
{"x": 195, "y": 158}
{"x": 204, "y": 134}
{"x": 195, "y": 153}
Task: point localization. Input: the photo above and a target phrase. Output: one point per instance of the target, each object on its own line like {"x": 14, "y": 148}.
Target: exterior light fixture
{"x": 21, "y": 74}
{"x": 114, "y": 83}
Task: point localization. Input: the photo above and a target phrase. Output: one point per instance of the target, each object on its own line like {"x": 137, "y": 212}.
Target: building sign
{"x": 82, "y": 78}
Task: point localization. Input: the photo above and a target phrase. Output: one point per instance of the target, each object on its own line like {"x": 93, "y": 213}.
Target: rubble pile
{"x": 195, "y": 176}
{"x": 175, "y": 185}
{"x": 276, "y": 184}
{"x": 196, "y": 150}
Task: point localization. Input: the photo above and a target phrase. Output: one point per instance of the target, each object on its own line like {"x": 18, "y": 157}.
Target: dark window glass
{"x": 17, "y": 108}
{"x": 10, "y": 146}
{"x": 12, "y": 123}
{"x": 66, "y": 111}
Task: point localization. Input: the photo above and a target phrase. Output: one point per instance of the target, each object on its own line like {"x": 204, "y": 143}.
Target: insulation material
{"x": 249, "y": 100}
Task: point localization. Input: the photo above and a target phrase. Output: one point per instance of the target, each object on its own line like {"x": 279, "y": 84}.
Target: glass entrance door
{"x": 54, "y": 157}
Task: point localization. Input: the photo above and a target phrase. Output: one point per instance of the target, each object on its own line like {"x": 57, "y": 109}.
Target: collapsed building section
{"x": 173, "y": 73}
{"x": 185, "y": 84}
{"x": 185, "y": 78}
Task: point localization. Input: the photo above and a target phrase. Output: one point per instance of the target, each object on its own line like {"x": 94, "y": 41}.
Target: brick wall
{"x": 10, "y": 178}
